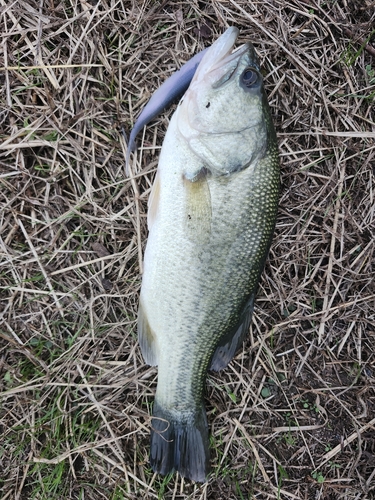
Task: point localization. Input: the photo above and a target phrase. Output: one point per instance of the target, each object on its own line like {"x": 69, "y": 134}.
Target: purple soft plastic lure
{"x": 173, "y": 88}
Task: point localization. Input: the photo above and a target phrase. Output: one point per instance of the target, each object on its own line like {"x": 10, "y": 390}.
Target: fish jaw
{"x": 215, "y": 54}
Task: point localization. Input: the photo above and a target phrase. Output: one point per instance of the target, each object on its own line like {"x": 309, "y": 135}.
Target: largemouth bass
{"x": 211, "y": 217}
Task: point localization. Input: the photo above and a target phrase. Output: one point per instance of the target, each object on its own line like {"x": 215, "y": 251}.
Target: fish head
{"x": 224, "y": 115}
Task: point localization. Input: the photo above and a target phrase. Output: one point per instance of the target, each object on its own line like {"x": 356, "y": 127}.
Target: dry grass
{"x": 293, "y": 416}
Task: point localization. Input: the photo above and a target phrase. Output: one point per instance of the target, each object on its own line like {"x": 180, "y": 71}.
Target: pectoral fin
{"x": 146, "y": 338}
{"x": 233, "y": 339}
{"x": 198, "y": 214}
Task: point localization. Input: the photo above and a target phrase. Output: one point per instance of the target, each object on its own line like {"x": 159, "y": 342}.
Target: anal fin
{"x": 229, "y": 344}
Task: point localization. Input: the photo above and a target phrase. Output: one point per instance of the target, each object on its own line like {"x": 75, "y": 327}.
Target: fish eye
{"x": 249, "y": 77}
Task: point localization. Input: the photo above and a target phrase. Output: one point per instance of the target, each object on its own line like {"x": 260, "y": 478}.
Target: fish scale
{"x": 212, "y": 213}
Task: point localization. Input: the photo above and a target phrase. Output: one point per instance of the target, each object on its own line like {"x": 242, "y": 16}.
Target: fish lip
{"x": 217, "y": 53}
{"x": 235, "y": 54}
{"x": 223, "y": 55}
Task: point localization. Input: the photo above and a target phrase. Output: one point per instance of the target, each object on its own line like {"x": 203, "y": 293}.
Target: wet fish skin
{"x": 211, "y": 218}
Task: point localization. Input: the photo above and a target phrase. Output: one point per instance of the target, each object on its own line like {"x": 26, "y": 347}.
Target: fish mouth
{"x": 217, "y": 54}
{"x": 221, "y": 60}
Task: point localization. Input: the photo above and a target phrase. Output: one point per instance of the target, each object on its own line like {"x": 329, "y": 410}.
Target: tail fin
{"x": 179, "y": 442}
